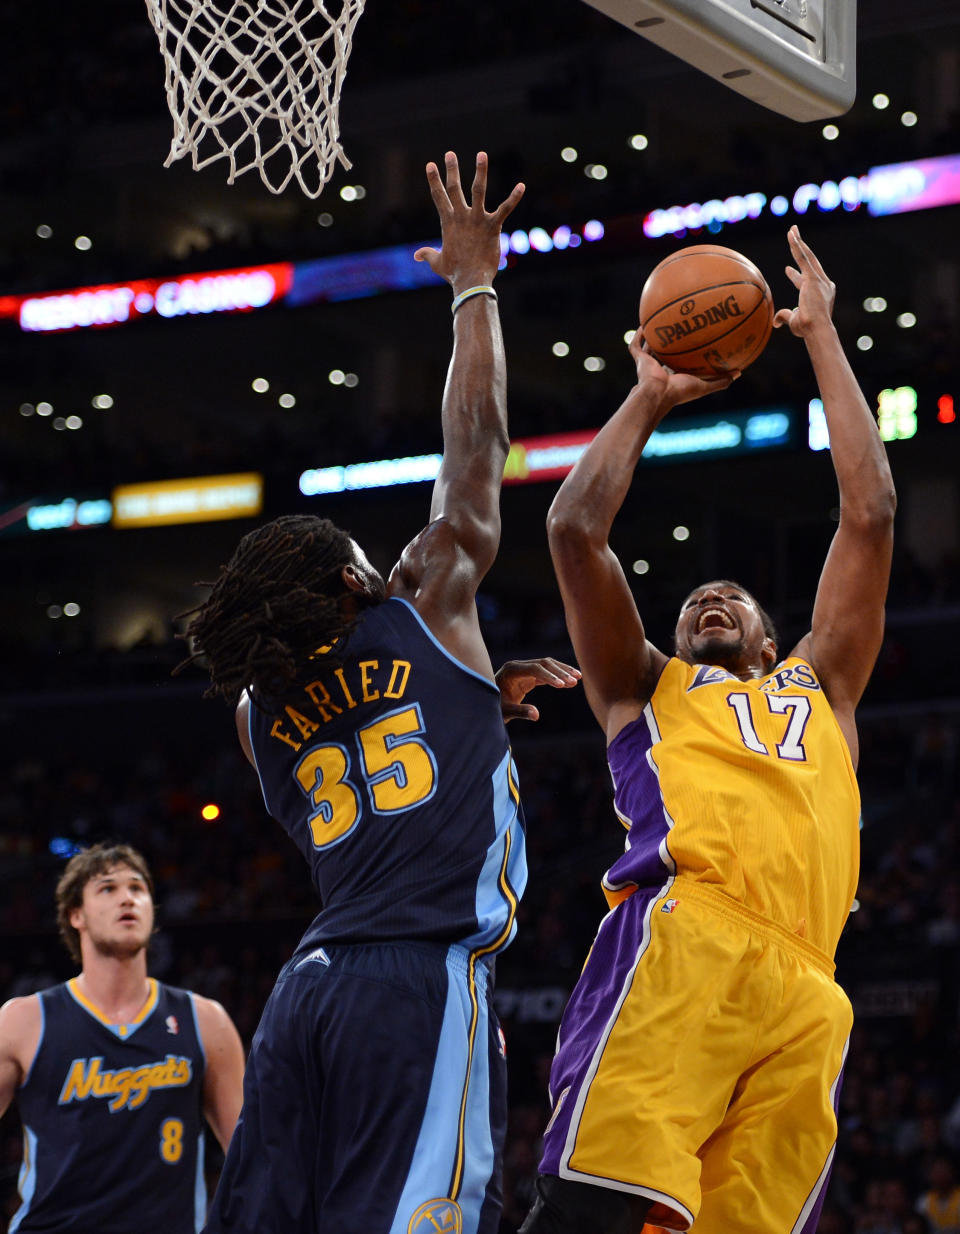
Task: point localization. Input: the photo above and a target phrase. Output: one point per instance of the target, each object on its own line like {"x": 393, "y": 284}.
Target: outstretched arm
{"x": 620, "y": 668}
{"x": 441, "y": 569}
{"x": 517, "y": 678}
{"x": 847, "y": 627}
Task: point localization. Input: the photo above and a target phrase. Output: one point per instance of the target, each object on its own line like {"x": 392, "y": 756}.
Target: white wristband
{"x": 482, "y": 290}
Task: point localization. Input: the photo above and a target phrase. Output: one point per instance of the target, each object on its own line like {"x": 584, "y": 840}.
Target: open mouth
{"x": 714, "y": 618}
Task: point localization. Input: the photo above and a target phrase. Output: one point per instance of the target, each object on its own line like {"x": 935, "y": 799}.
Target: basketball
{"x": 706, "y": 310}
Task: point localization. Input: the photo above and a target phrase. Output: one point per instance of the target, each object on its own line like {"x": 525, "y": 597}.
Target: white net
{"x": 257, "y": 82}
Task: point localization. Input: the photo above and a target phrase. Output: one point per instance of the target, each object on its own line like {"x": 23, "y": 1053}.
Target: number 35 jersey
{"x": 746, "y": 786}
{"x": 112, "y": 1123}
{"x": 392, "y": 774}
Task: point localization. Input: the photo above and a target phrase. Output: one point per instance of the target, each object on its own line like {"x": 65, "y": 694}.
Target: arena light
{"x": 222, "y": 291}
{"x": 197, "y": 500}
{"x": 897, "y": 413}
{"x": 384, "y": 473}
{"x": 946, "y": 411}
{"x": 896, "y": 416}
{"x": 68, "y": 513}
{"x": 888, "y": 189}
{"x": 552, "y": 456}
{"x": 61, "y": 846}
{"x": 921, "y": 184}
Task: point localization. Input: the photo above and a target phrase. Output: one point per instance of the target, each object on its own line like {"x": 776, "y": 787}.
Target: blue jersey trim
{"x": 36, "y": 1053}
{"x": 479, "y": 1155}
{"x": 200, "y": 1188}
{"x": 503, "y": 878}
{"x": 440, "y": 647}
{"x": 196, "y": 1027}
{"x": 456, "y": 1121}
{"x": 27, "y": 1182}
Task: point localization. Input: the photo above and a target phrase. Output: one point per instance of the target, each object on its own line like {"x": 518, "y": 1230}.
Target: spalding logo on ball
{"x": 706, "y": 310}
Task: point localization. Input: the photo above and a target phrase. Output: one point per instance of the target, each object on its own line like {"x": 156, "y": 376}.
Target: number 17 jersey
{"x": 391, "y": 772}
{"x": 744, "y": 786}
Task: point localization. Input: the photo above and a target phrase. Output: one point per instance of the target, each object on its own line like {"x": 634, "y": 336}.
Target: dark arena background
{"x": 262, "y": 388}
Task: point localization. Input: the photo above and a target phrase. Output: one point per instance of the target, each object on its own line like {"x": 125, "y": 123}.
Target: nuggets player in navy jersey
{"x": 699, "y": 1058}
{"x": 374, "y": 1097}
{"x": 114, "y": 1072}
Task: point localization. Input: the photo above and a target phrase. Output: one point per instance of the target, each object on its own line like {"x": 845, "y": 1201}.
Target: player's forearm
{"x": 474, "y": 414}
{"x": 592, "y": 494}
{"x": 856, "y": 448}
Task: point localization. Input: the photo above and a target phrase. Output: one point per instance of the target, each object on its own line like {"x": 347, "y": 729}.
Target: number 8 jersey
{"x": 746, "y": 786}
{"x": 391, "y": 772}
{"x": 112, "y": 1123}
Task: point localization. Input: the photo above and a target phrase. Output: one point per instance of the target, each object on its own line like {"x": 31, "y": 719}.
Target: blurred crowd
{"x": 233, "y": 897}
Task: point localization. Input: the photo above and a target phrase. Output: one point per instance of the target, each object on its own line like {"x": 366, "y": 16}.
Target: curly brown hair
{"x": 87, "y": 864}
{"x": 275, "y": 602}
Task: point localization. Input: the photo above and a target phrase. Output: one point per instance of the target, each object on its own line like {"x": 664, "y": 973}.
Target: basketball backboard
{"x": 797, "y": 57}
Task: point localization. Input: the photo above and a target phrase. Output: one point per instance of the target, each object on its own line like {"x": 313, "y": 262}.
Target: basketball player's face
{"x": 721, "y": 624}
{"x": 116, "y": 915}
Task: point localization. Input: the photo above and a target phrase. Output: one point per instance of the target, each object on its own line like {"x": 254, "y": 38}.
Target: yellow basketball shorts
{"x": 699, "y": 1063}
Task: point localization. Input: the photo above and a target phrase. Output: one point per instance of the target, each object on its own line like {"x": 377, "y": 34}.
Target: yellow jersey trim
{"x": 122, "y": 1030}
{"x": 510, "y": 896}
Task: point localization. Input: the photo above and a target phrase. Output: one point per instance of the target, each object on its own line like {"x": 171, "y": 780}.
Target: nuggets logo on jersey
{"x": 127, "y": 1086}
{"x": 113, "y": 1129}
{"x": 436, "y": 1217}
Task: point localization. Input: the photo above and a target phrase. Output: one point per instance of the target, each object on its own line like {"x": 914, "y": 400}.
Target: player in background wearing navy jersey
{"x": 113, "y": 1072}
{"x": 374, "y": 1097}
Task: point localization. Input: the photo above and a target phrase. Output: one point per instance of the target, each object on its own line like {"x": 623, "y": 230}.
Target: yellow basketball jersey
{"x": 746, "y": 786}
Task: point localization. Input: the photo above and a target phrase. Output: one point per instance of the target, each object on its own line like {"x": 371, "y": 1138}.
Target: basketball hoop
{"x": 257, "y": 82}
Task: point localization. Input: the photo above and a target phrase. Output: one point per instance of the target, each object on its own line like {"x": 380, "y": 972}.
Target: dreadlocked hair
{"x": 273, "y": 606}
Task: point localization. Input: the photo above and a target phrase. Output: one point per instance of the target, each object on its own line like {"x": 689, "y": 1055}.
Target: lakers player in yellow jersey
{"x": 699, "y": 1058}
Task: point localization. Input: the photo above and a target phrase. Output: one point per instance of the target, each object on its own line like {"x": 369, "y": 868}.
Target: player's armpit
{"x": 438, "y": 576}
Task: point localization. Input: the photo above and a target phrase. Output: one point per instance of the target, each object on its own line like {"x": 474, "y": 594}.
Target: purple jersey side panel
{"x": 638, "y": 802}
{"x": 810, "y": 1215}
{"x": 589, "y": 1018}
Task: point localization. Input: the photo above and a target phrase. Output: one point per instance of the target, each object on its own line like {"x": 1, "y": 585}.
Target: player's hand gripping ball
{"x": 706, "y": 310}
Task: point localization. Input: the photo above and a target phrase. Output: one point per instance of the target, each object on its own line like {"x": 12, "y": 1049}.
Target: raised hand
{"x": 470, "y": 253}
{"x": 815, "y": 301}
{"x": 517, "y": 678}
{"x": 673, "y": 387}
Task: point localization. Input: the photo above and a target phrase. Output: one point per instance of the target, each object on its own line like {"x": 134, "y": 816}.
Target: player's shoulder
{"x": 218, "y": 1034}
{"x": 212, "y": 1017}
{"x": 21, "y": 1020}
